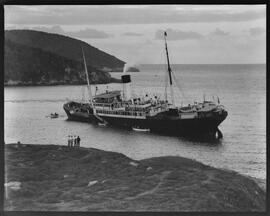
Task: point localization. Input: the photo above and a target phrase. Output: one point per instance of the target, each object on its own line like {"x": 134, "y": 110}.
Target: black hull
{"x": 179, "y": 127}
{"x": 173, "y": 127}
{"x": 78, "y": 116}
{"x": 163, "y": 123}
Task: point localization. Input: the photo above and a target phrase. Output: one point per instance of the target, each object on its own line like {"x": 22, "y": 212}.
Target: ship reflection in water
{"x": 149, "y": 114}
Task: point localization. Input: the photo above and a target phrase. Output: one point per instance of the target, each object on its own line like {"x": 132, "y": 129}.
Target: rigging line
{"x": 184, "y": 97}
{"x": 163, "y": 67}
{"x": 177, "y": 85}
{"x": 82, "y": 89}
{"x": 179, "y": 88}
{"x": 166, "y": 82}
{"x": 180, "y": 96}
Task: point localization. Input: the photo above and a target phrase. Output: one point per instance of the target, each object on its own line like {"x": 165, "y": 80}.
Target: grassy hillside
{"x": 51, "y": 177}
{"x": 67, "y": 47}
{"x": 33, "y": 58}
{"x": 28, "y": 65}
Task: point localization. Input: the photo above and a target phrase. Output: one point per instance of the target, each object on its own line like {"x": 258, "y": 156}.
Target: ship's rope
{"x": 163, "y": 80}
{"x": 175, "y": 81}
{"x": 182, "y": 92}
{"x": 83, "y": 93}
{"x": 166, "y": 84}
{"x": 179, "y": 94}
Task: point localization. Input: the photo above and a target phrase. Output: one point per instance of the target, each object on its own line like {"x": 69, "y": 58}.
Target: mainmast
{"x": 88, "y": 83}
{"x": 169, "y": 68}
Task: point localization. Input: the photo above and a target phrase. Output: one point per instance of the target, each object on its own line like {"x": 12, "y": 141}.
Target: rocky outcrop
{"x": 61, "y": 178}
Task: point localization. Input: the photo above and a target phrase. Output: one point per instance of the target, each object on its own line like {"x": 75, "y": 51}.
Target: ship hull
{"x": 77, "y": 116}
{"x": 172, "y": 125}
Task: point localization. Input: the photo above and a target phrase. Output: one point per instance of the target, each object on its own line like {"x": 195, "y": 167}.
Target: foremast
{"x": 88, "y": 83}
{"x": 169, "y": 69}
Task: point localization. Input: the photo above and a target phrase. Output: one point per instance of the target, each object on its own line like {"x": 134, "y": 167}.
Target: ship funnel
{"x": 126, "y": 87}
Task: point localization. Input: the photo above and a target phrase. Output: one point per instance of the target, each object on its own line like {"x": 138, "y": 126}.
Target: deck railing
{"x": 120, "y": 112}
{"x": 150, "y": 112}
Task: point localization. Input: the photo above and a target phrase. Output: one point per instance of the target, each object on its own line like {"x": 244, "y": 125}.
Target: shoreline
{"x": 60, "y": 178}
{"x": 113, "y": 80}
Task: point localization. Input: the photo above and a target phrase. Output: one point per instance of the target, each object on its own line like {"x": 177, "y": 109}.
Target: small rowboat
{"x": 140, "y": 129}
{"x": 102, "y": 124}
{"x": 54, "y": 115}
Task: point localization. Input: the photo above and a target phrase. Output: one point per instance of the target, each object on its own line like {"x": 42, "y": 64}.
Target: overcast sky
{"x": 197, "y": 34}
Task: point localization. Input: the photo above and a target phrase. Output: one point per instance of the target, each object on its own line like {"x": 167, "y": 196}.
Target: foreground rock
{"x": 62, "y": 179}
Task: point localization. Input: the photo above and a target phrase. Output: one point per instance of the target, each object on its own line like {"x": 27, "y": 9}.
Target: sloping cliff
{"x": 34, "y": 58}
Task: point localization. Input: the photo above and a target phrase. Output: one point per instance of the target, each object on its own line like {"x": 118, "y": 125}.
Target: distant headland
{"x": 39, "y": 58}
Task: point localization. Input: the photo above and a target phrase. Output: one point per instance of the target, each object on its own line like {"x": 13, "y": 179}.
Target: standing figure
{"x": 78, "y": 141}
{"x": 68, "y": 141}
{"x": 75, "y": 141}
{"x": 71, "y": 141}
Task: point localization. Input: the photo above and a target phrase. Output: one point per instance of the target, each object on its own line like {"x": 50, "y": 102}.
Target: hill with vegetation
{"x": 33, "y": 57}
{"x": 133, "y": 69}
{"x": 60, "y": 178}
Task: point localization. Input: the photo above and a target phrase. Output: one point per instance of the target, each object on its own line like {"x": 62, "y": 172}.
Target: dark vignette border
{"x": 109, "y": 2}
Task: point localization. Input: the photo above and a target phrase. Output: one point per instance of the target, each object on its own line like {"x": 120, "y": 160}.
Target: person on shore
{"x": 71, "y": 141}
{"x": 19, "y": 144}
{"x": 78, "y": 141}
{"x": 75, "y": 141}
{"x": 68, "y": 141}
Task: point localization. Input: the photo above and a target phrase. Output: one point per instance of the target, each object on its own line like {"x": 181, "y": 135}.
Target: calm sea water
{"x": 241, "y": 89}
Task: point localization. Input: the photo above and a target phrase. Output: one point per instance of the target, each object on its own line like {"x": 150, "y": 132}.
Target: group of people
{"x": 74, "y": 141}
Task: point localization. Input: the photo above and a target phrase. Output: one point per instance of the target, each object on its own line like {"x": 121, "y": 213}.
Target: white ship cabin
{"x": 107, "y": 99}
{"x": 206, "y": 106}
{"x": 112, "y": 103}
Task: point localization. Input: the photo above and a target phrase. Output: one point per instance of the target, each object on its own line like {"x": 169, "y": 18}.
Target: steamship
{"x": 119, "y": 108}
